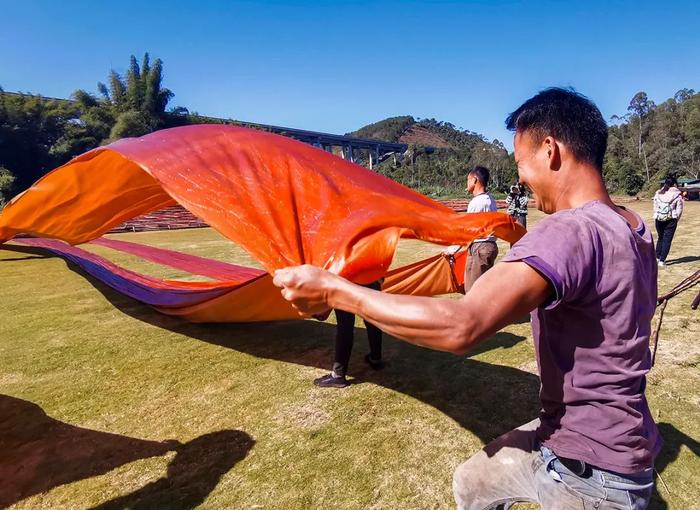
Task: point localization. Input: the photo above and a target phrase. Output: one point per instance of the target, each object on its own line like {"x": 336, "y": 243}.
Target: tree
{"x": 37, "y": 134}
{"x": 641, "y": 106}
{"x": 30, "y": 127}
{"x": 7, "y": 179}
{"x": 133, "y": 105}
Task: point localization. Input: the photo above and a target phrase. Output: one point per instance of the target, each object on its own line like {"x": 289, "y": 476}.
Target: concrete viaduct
{"x": 378, "y": 150}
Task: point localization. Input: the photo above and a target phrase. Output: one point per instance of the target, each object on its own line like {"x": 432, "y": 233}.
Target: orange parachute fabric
{"x": 283, "y": 201}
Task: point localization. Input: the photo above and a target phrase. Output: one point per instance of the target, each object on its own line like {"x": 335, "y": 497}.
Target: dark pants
{"x": 521, "y": 218}
{"x": 481, "y": 257}
{"x": 665, "y": 231}
{"x": 345, "y": 335}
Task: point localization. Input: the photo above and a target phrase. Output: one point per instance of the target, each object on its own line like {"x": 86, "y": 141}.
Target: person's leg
{"x": 344, "y": 337}
{"x": 487, "y": 254}
{"x": 471, "y": 267}
{"x": 659, "y": 237}
{"x": 500, "y": 474}
{"x": 669, "y": 232}
{"x": 480, "y": 259}
{"x": 571, "y": 484}
{"x": 343, "y": 347}
{"x": 374, "y": 336}
{"x": 522, "y": 219}
{"x": 516, "y": 468}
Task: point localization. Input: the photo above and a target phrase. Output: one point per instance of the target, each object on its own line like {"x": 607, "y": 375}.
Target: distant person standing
{"x": 516, "y": 201}
{"x": 668, "y": 208}
{"x": 482, "y": 252}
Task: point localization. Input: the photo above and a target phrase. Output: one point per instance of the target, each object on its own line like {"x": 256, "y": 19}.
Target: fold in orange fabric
{"x": 286, "y": 203}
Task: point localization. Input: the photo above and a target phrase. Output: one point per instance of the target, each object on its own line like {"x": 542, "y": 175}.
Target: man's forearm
{"x": 501, "y": 296}
{"x": 438, "y": 324}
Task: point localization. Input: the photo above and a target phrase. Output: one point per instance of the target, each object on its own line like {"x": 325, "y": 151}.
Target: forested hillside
{"x": 442, "y": 170}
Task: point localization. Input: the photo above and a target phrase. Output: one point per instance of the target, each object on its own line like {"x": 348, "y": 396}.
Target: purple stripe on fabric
{"x": 140, "y": 287}
{"x": 193, "y": 264}
{"x": 550, "y": 274}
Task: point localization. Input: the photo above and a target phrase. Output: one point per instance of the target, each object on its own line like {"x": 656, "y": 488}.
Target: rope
{"x": 662, "y": 301}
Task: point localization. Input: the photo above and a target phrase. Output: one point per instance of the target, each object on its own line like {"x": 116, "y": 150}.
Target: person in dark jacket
{"x": 516, "y": 203}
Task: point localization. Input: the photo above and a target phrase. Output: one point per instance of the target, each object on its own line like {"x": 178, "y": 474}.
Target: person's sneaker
{"x": 329, "y": 381}
{"x": 661, "y": 263}
{"x": 375, "y": 364}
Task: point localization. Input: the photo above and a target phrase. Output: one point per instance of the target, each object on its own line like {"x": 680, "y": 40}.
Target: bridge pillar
{"x": 349, "y": 153}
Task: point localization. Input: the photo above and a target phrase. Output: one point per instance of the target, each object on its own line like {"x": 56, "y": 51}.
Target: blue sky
{"x": 336, "y": 66}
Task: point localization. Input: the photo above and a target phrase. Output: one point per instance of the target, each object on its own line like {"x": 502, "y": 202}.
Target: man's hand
{"x": 307, "y": 288}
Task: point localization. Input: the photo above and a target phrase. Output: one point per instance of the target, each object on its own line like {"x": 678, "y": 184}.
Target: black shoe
{"x": 375, "y": 364}
{"x": 328, "y": 381}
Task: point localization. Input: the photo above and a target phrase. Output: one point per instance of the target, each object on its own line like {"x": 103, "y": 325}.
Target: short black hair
{"x": 482, "y": 173}
{"x": 567, "y": 116}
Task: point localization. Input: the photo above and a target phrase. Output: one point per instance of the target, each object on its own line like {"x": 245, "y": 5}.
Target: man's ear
{"x": 553, "y": 153}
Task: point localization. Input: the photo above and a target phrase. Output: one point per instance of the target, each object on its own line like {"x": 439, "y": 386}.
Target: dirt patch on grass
{"x": 307, "y": 415}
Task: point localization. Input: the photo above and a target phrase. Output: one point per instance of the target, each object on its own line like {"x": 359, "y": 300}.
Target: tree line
{"x": 38, "y": 134}
{"x": 651, "y": 141}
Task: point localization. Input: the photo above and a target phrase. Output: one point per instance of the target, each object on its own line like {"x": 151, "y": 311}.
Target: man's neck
{"x": 579, "y": 185}
{"x": 478, "y": 190}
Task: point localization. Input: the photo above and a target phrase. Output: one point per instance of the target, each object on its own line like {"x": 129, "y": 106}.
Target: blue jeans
{"x": 515, "y": 467}
{"x": 665, "y": 231}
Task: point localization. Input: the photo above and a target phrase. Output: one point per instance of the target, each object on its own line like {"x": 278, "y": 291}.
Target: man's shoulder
{"x": 491, "y": 202}
{"x": 593, "y": 220}
{"x": 567, "y": 219}
{"x": 481, "y": 203}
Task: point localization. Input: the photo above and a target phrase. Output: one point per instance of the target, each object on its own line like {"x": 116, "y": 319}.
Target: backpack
{"x": 664, "y": 210}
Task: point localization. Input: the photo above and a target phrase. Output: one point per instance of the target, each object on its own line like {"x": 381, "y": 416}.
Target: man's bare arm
{"x": 501, "y": 296}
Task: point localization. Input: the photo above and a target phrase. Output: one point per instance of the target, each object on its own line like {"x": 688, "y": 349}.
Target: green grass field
{"x": 106, "y": 403}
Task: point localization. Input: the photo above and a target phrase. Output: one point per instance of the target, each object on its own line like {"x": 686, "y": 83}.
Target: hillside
{"x": 442, "y": 171}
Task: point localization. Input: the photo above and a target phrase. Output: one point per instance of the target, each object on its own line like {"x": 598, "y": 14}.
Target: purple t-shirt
{"x": 592, "y": 336}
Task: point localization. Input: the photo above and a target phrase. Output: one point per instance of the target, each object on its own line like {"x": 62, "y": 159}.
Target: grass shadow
{"x": 39, "y": 453}
{"x": 683, "y": 260}
{"x": 674, "y": 440}
{"x": 192, "y": 474}
{"x": 501, "y": 340}
{"x": 30, "y": 251}
{"x": 484, "y": 398}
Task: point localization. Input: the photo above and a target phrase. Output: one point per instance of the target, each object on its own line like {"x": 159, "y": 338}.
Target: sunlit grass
{"x": 115, "y": 379}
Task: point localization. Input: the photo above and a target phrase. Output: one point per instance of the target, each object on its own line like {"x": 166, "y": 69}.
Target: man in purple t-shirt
{"x": 587, "y": 273}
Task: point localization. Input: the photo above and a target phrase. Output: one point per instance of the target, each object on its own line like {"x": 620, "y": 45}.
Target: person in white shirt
{"x": 668, "y": 208}
{"x": 482, "y": 252}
